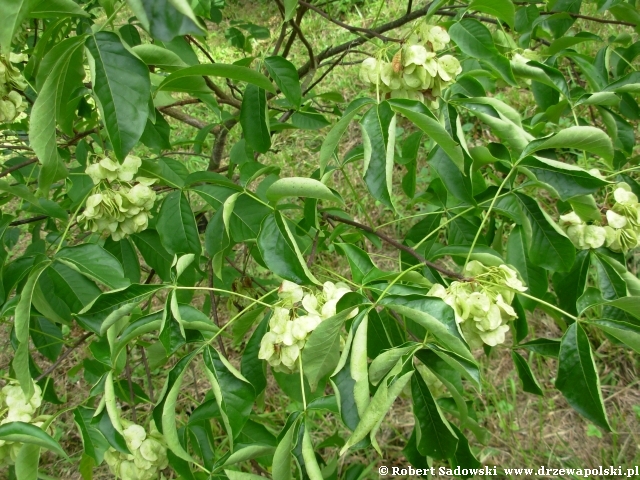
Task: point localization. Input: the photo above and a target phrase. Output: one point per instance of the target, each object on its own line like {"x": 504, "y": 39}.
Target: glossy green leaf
{"x": 26, "y": 463}
{"x": 126, "y": 254}
{"x": 377, "y": 408}
{"x": 475, "y": 40}
{"x": 435, "y": 316}
{"x": 332, "y": 138}
{"x": 384, "y": 362}
{"x": 322, "y": 351}
{"x": 233, "y": 393}
{"x": 379, "y": 132}
{"x": 22, "y": 432}
{"x": 529, "y": 382}
{"x": 54, "y": 94}
{"x": 548, "y": 246}
{"x": 254, "y": 118}
{"x": 177, "y": 225}
{"x": 436, "y": 132}
{"x": 111, "y": 306}
{"x": 577, "y": 377}
{"x": 300, "y": 187}
{"x": 280, "y": 251}
{"x": 435, "y": 437}
{"x": 502, "y": 9}
{"x": 534, "y": 277}
{"x": 310, "y": 461}
{"x": 290, "y": 7}
{"x": 95, "y": 263}
{"x": 232, "y": 72}
{"x": 13, "y": 14}
{"x": 122, "y": 90}
{"x": 589, "y": 139}
{"x": 166, "y": 19}
{"x": 285, "y": 75}
{"x": 154, "y": 253}
{"x": 93, "y": 441}
{"x": 566, "y": 179}
{"x": 547, "y": 347}
{"x": 159, "y": 57}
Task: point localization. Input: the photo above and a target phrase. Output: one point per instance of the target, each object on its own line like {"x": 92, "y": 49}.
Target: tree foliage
{"x": 116, "y": 246}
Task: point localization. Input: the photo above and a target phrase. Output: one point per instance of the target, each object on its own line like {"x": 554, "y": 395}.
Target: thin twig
{"x": 314, "y": 248}
{"x": 6, "y": 172}
{"x": 29, "y": 220}
{"x": 127, "y": 372}
{"x": 351, "y": 28}
{"x": 593, "y": 19}
{"x": 147, "y": 372}
{"x": 62, "y": 357}
{"x": 214, "y": 307}
{"x": 399, "y": 246}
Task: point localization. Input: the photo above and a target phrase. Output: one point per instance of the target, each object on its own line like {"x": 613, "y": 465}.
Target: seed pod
{"x": 397, "y": 61}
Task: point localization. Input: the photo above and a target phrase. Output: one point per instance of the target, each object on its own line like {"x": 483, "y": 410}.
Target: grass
{"x": 522, "y": 430}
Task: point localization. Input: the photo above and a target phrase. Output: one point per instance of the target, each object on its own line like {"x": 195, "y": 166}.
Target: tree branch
{"x": 399, "y": 246}
{"x": 351, "y": 28}
{"x": 6, "y": 172}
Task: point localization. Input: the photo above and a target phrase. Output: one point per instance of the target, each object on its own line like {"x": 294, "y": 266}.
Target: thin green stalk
{"x": 357, "y": 198}
{"x": 304, "y": 398}
{"x": 66, "y": 230}
{"x": 229, "y": 292}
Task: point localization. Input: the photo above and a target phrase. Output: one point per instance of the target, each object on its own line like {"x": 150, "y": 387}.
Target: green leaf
{"x": 456, "y": 181}
{"x": 251, "y": 366}
{"x": 233, "y": 393}
{"x": 332, "y": 138}
{"x": 126, "y": 254}
{"x": 435, "y": 316}
{"x": 577, "y": 377}
{"x": 529, "y": 382}
{"x": 122, "y": 89}
{"x": 114, "y": 305}
{"x": 377, "y": 408}
{"x": 159, "y": 57}
{"x": 547, "y": 347}
{"x": 321, "y": 353}
{"x": 628, "y": 304}
{"x": 502, "y": 9}
{"x": 55, "y": 94}
{"x": 282, "y": 458}
{"x": 548, "y": 246}
{"x": 535, "y": 278}
{"x": 27, "y": 460}
{"x": 379, "y": 136}
{"x": 280, "y": 251}
{"x": 94, "y": 262}
{"x": 166, "y": 19}
{"x": 589, "y": 139}
{"x": 234, "y": 475}
{"x": 435, "y": 437}
{"x": 154, "y": 254}
{"x": 30, "y": 434}
{"x": 563, "y": 43}
{"x": 56, "y": 8}
{"x": 177, "y": 225}
{"x": 359, "y": 261}
{"x": 254, "y": 118}
{"x": 13, "y": 14}
{"x": 436, "y": 132}
{"x": 232, "y": 72}
{"x": 170, "y": 172}
{"x": 384, "y": 362}
{"x": 285, "y": 75}
{"x": 300, "y": 187}
{"x": 290, "y": 7}
{"x": 167, "y": 408}
{"x": 475, "y": 40}
{"x": 93, "y": 441}
{"x": 310, "y": 461}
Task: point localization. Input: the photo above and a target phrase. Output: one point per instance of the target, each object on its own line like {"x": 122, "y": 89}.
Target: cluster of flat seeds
{"x": 11, "y": 84}
{"x": 288, "y": 331}
{"x": 622, "y": 232}
{"x": 482, "y": 307}
{"x": 415, "y": 72}
{"x": 148, "y": 454}
{"x": 14, "y": 407}
{"x": 120, "y": 202}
